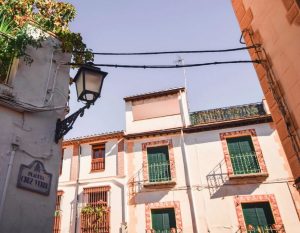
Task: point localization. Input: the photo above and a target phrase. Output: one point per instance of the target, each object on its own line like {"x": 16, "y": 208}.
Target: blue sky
{"x": 156, "y": 25}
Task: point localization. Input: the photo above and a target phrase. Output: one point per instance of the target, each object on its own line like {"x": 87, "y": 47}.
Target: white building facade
{"x": 219, "y": 170}
{"x": 92, "y": 175}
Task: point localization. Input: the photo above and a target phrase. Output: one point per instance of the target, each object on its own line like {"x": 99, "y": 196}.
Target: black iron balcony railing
{"x": 171, "y": 230}
{"x": 245, "y": 163}
{"x": 227, "y": 114}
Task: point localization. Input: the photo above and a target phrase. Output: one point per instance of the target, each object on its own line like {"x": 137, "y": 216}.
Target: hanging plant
{"x": 47, "y": 15}
{"x": 96, "y": 210}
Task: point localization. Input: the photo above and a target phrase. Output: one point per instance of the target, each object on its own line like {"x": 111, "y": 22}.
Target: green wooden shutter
{"x": 258, "y": 214}
{"x": 163, "y": 220}
{"x": 242, "y": 154}
{"x": 158, "y": 164}
{"x": 235, "y": 153}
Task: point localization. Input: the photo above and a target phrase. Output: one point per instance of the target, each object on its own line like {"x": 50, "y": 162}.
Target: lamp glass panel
{"x": 79, "y": 84}
{"x": 89, "y": 96}
{"x": 93, "y": 81}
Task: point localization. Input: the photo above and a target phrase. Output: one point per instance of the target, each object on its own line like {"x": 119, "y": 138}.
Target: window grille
{"x": 57, "y": 214}
{"x": 95, "y": 213}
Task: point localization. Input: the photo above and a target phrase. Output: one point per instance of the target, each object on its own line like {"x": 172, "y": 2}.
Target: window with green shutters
{"x": 258, "y": 217}
{"x": 163, "y": 220}
{"x": 158, "y": 164}
{"x": 242, "y": 155}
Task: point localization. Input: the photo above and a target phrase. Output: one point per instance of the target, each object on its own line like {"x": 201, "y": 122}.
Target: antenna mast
{"x": 180, "y": 61}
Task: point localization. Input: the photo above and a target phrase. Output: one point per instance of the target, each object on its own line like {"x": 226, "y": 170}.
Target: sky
{"x": 156, "y": 25}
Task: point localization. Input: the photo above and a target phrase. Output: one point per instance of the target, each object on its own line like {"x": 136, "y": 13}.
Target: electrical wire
{"x": 168, "y": 66}
{"x": 173, "y": 52}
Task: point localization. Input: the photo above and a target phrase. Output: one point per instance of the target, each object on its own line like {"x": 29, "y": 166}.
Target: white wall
{"x": 158, "y": 123}
{"x": 41, "y": 86}
{"x": 111, "y": 153}
{"x": 143, "y": 196}
{"x": 108, "y": 177}
{"x": 214, "y": 192}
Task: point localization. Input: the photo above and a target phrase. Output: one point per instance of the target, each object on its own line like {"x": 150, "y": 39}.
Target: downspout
{"x": 188, "y": 184}
{"x": 76, "y": 191}
{"x": 11, "y": 160}
{"x": 186, "y": 167}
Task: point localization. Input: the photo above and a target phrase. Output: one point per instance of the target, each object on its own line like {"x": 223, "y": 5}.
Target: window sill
{"x": 94, "y": 171}
{"x": 250, "y": 175}
{"x": 160, "y": 184}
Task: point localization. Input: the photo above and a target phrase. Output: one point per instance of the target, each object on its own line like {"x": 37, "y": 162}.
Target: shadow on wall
{"x": 217, "y": 178}
{"x": 111, "y": 149}
{"x": 135, "y": 184}
{"x": 219, "y": 184}
{"x": 73, "y": 221}
{"x": 136, "y": 189}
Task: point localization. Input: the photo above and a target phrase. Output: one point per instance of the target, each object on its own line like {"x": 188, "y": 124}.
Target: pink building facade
{"x": 274, "y": 26}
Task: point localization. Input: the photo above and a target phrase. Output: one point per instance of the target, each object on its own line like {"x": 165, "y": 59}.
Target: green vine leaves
{"x": 49, "y": 15}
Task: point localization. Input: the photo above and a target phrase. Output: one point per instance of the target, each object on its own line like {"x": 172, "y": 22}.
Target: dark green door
{"x": 258, "y": 216}
{"x": 242, "y": 154}
{"x": 163, "y": 220}
{"x": 158, "y": 164}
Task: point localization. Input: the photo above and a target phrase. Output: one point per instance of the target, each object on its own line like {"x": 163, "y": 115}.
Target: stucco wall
{"x": 276, "y": 27}
{"x": 166, "y": 119}
{"x": 214, "y": 191}
{"x": 68, "y": 204}
{"x": 28, "y": 121}
{"x": 109, "y": 177}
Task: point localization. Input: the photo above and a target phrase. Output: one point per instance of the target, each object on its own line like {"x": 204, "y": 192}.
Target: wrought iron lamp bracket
{"x": 64, "y": 126}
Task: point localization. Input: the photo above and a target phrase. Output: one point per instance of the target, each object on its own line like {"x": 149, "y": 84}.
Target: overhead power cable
{"x": 174, "y": 52}
{"x": 169, "y": 66}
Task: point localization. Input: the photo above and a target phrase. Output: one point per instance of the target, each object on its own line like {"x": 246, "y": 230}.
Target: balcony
{"x": 159, "y": 174}
{"x": 172, "y": 230}
{"x": 227, "y": 114}
{"x": 275, "y": 228}
{"x": 98, "y": 165}
{"x": 245, "y": 165}
{"x": 156, "y": 174}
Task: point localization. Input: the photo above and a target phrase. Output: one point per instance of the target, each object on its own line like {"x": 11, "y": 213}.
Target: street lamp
{"x": 88, "y": 81}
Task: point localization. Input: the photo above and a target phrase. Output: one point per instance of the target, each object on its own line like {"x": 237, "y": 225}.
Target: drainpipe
{"x": 76, "y": 191}
{"x": 186, "y": 123}
{"x": 11, "y": 160}
{"x": 188, "y": 184}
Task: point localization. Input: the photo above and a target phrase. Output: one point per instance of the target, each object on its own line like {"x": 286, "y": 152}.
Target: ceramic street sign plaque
{"x": 34, "y": 178}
